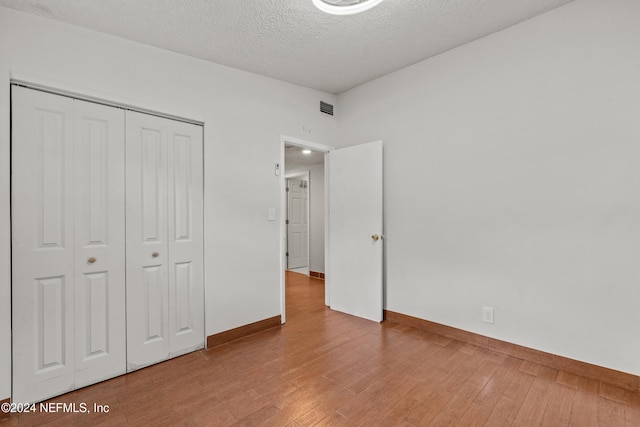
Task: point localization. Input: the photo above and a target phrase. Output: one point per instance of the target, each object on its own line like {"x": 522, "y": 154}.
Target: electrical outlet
{"x": 487, "y": 315}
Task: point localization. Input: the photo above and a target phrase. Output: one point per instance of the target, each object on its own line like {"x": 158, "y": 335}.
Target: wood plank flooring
{"x": 328, "y": 368}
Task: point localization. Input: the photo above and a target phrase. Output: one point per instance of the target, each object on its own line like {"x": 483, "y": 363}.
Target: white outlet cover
{"x": 487, "y": 315}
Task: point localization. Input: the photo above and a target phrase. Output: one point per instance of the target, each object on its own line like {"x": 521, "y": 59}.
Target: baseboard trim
{"x": 316, "y": 274}
{"x": 243, "y": 331}
{"x": 610, "y": 376}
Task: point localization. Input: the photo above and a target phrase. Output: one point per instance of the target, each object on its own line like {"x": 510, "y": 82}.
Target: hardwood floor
{"x": 328, "y": 368}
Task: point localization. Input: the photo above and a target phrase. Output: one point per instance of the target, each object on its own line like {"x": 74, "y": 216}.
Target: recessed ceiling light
{"x": 345, "y": 7}
{"x": 306, "y": 151}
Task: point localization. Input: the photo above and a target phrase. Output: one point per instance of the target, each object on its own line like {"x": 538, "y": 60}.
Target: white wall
{"x": 316, "y": 213}
{"x": 243, "y": 113}
{"x": 512, "y": 172}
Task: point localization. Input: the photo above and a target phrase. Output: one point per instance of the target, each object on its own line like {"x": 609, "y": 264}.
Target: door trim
{"x": 32, "y": 83}
{"x": 284, "y": 139}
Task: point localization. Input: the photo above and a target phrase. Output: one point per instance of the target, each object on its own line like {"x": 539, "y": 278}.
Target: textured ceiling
{"x": 290, "y": 39}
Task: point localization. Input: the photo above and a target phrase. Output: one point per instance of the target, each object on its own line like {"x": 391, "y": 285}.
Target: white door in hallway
{"x": 67, "y": 244}
{"x": 297, "y": 223}
{"x": 165, "y": 286}
{"x": 355, "y": 268}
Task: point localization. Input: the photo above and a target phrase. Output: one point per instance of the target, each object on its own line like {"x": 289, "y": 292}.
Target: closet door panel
{"x": 42, "y": 244}
{"x": 100, "y": 335}
{"x": 147, "y": 249}
{"x": 186, "y": 281}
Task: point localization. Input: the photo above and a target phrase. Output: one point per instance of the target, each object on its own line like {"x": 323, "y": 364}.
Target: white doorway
{"x": 356, "y": 239}
{"x": 309, "y": 167}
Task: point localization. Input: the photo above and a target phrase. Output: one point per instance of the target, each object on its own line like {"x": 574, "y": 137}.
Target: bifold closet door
{"x": 165, "y": 286}
{"x": 99, "y": 233}
{"x": 67, "y": 244}
{"x": 42, "y": 245}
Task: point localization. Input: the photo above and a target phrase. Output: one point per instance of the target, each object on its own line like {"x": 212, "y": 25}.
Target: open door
{"x": 355, "y": 230}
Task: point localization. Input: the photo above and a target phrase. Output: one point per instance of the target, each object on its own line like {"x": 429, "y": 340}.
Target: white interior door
{"x": 165, "y": 286}
{"x": 99, "y": 233}
{"x": 42, "y": 245}
{"x": 355, "y": 230}
{"x": 297, "y": 223}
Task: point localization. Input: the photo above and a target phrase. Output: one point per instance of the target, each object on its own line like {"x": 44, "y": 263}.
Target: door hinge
{"x": 287, "y": 253}
{"x": 287, "y": 222}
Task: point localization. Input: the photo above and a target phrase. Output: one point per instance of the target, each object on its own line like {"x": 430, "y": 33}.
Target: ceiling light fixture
{"x": 345, "y": 7}
{"x": 306, "y": 151}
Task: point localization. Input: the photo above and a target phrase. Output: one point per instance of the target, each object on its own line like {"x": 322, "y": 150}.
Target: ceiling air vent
{"x": 326, "y": 108}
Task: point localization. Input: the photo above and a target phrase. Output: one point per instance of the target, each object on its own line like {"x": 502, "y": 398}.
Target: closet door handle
{"x": 155, "y": 254}
{"x": 91, "y": 260}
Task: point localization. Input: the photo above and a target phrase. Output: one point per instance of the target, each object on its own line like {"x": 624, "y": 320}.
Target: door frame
{"x": 303, "y": 175}
{"x": 288, "y": 140}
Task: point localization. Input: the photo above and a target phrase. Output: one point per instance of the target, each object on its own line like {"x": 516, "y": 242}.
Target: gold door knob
{"x": 91, "y": 260}
{"x": 155, "y": 254}
{"x": 375, "y": 237}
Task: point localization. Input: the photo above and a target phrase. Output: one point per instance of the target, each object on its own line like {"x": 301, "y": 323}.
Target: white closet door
{"x": 147, "y": 248}
{"x": 42, "y": 245}
{"x": 186, "y": 281}
{"x": 165, "y": 283}
{"x": 75, "y": 322}
{"x": 100, "y": 340}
